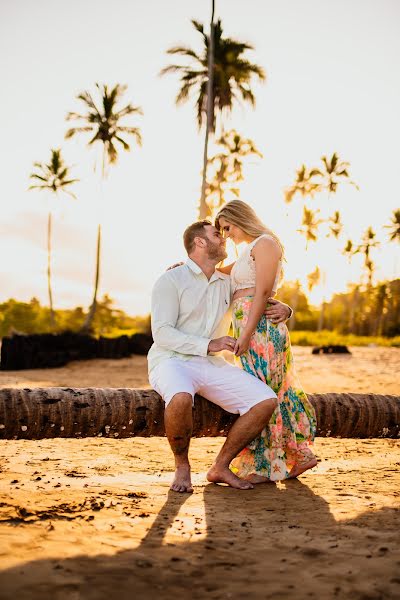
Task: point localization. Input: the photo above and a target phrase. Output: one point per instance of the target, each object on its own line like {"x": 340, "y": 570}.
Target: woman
{"x": 283, "y": 449}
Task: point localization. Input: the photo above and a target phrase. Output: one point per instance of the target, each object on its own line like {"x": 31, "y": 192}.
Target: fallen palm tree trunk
{"x": 89, "y": 412}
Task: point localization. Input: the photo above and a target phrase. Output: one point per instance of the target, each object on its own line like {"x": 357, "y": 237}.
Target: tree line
{"x": 219, "y": 75}
{"x": 372, "y": 311}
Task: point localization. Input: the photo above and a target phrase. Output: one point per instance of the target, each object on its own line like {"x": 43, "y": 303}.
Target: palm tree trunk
{"x": 93, "y": 412}
{"x": 87, "y": 326}
{"x": 49, "y": 232}
{"x": 210, "y": 116}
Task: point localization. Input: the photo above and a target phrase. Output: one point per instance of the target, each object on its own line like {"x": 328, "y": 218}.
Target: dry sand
{"x": 364, "y": 370}
{"x": 94, "y": 519}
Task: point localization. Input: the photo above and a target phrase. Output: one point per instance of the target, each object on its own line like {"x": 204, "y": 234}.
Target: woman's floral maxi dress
{"x": 286, "y": 440}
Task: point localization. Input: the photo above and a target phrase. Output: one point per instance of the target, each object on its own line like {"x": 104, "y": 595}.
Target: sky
{"x": 333, "y": 84}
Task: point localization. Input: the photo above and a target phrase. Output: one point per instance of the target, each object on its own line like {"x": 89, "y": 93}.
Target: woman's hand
{"x": 242, "y": 344}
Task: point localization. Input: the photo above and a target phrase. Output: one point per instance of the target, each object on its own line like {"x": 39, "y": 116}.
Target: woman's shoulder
{"x": 266, "y": 241}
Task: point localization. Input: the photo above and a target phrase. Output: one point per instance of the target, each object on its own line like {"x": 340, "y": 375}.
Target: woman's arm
{"x": 266, "y": 254}
{"x": 227, "y": 269}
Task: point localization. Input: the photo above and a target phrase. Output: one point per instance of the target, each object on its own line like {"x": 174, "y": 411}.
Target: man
{"x": 190, "y": 319}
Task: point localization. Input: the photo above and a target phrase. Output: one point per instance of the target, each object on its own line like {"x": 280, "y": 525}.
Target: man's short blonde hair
{"x": 194, "y": 230}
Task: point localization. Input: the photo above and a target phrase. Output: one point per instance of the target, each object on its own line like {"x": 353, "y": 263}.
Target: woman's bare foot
{"x": 182, "y": 481}
{"x": 224, "y": 475}
{"x": 254, "y": 478}
{"x": 299, "y": 469}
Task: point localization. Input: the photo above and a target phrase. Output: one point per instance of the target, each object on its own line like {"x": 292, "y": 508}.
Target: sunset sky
{"x": 333, "y": 84}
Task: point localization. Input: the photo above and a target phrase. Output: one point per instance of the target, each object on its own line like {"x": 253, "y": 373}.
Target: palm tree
{"x": 310, "y": 225}
{"x": 133, "y": 412}
{"x": 334, "y": 173}
{"x": 232, "y": 75}
{"x": 335, "y": 225}
{"x": 228, "y": 168}
{"x": 55, "y": 178}
{"x": 104, "y": 121}
{"x": 368, "y": 242}
{"x": 308, "y": 182}
{"x": 313, "y": 279}
{"x": 304, "y": 185}
{"x": 348, "y": 250}
{"x": 394, "y": 227}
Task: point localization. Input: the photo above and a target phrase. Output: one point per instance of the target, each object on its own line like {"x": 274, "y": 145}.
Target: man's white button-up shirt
{"x": 187, "y": 311}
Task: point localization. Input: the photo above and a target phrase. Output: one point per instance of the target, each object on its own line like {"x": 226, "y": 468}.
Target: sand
{"x": 94, "y": 518}
{"x": 374, "y": 370}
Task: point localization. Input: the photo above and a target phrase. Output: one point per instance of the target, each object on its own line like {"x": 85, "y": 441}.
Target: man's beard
{"x": 216, "y": 251}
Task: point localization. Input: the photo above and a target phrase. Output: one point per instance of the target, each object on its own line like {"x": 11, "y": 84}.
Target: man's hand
{"x": 175, "y": 265}
{"x": 278, "y": 312}
{"x": 223, "y": 343}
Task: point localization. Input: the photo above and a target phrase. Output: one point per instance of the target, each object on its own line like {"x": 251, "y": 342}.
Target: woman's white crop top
{"x": 243, "y": 274}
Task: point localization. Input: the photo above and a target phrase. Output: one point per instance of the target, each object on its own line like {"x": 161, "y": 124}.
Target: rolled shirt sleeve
{"x": 164, "y": 316}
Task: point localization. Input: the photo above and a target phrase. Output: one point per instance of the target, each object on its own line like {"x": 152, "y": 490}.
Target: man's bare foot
{"x": 254, "y": 478}
{"x": 224, "y": 475}
{"x": 299, "y": 469}
{"x": 182, "y": 481}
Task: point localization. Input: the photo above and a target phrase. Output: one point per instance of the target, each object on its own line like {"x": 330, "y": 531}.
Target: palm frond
{"x": 74, "y": 130}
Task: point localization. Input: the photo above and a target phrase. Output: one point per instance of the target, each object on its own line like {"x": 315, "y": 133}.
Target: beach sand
{"x": 370, "y": 370}
{"x": 94, "y": 518}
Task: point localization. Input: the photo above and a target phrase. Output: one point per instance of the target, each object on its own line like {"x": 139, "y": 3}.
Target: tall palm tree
{"x": 232, "y": 76}
{"x": 368, "y": 242}
{"x": 394, "y": 227}
{"x": 310, "y": 224}
{"x": 335, "y": 172}
{"x": 105, "y": 122}
{"x": 304, "y": 185}
{"x": 55, "y": 178}
{"x": 227, "y": 168}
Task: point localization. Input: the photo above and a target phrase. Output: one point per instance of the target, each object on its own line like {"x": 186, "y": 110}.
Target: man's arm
{"x": 164, "y": 315}
{"x": 278, "y": 312}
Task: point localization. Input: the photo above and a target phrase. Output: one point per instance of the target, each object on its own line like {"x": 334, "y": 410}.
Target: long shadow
{"x": 270, "y": 542}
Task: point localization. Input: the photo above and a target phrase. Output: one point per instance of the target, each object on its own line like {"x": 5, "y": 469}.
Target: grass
{"x": 323, "y": 338}
{"x": 309, "y": 338}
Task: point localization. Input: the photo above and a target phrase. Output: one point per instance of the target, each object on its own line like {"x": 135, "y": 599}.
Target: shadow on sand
{"x": 272, "y": 542}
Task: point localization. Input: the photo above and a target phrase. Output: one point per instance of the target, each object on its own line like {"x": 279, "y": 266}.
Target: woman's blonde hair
{"x": 243, "y": 216}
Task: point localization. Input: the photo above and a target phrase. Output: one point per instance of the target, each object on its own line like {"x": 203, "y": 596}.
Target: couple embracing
{"x": 193, "y": 306}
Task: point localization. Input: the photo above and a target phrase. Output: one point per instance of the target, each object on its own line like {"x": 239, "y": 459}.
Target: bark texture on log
{"x": 90, "y": 412}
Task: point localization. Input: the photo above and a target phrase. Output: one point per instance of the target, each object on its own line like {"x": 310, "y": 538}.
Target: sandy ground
{"x": 364, "y": 370}
{"x": 94, "y": 518}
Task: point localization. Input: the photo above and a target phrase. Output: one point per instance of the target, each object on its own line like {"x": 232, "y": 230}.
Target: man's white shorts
{"x": 235, "y": 390}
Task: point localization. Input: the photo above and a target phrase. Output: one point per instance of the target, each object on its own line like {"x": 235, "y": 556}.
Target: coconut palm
{"x": 232, "y": 76}
{"x": 348, "y": 250}
{"x": 54, "y": 178}
{"x": 368, "y": 242}
{"x": 106, "y": 124}
{"x": 394, "y": 227}
{"x": 335, "y": 172}
{"x": 305, "y": 184}
{"x": 335, "y": 225}
{"x": 310, "y": 225}
{"x": 227, "y": 167}
{"x": 132, "y": 412}
{"x": 313, "y": 278}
